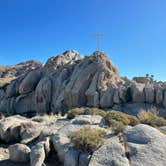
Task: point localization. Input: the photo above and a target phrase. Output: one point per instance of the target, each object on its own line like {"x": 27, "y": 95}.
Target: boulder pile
{"x": 140, "y": 145}
{"x": 70, "y": 80}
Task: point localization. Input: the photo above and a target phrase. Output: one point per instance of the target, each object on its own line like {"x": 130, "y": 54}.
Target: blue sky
{"x": 135, "y": 31}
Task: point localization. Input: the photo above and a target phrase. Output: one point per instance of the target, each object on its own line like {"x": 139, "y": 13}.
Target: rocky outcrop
{"x": 70, "y": 80}
{"x": 9, "y": 73}
{"x": 141, "y": 145}
{"x": 147, "y": 145}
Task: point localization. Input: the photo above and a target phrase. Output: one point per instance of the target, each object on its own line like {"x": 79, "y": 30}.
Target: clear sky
{"x": 135, "y": 31}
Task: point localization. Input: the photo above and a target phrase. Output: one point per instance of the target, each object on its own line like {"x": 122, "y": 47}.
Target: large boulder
{"x": 112, "y": 153}
{"x": 71, "y": 158}
{"x": 10, "y": 128}
{"x": 61, "y": 145}
{"x": 29, "y": 131}
{"x": 43, "y": 94}
{"x": 80, "y": 80}
{"x": 159, "y": 96}
{"x": 25, "y": 104}
{"x": 137, "y": 92}
{"x": 92, "y": 93}
{"x": 39, "y": 152}
{"x": 11, "y": 89}
{"x": 106, "y": 100}
{"x": 147, "y": 145}
{"x": 19, "y": 153}
{"x": 29, "y": 82}
{"x": 55, "y": 62}
{"x": 149, "y": 93}
{"x": 37, "y": 155}
{"x": 7, "y": 106}
{"x": 116, "y": 98}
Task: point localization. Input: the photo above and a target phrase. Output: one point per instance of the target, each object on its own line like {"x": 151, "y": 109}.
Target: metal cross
{"x": 99, "y": 35}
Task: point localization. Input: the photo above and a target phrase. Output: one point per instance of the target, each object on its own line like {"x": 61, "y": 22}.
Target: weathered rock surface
{"x": 19, "y": 153}
{"x": 110, "y": 154}
{"x": 87, "y": 119}
{"x": 147, "y": 146}
{"x": 8, "y": 73}
{"x": 137, "y": 93}
{"x": 29, "y": 82}
{"x": 39, "y": 152}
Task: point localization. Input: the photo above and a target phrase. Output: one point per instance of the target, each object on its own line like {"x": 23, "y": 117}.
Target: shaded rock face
{"x": 70, "y": 80}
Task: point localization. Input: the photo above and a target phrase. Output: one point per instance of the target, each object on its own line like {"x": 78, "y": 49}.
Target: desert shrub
{"x": 120, "y": 117}
{"x": 133, "y": 120}
{"x": 117, "y": 116}
{"x": 85, "y": 111}
{"x": 151, "y": 118}
{"x": 95, "y": 111}
{"x": 88, "y": 139}
{"x": 117, "y": 126}
{"x": 73, "y": 112}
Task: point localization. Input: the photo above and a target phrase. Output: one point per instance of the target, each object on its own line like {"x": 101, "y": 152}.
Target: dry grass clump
{"x": 117, "y": 126}
{"x": 85, "y": 111}
{"x": 121, "y": 117}
{"x": 118, "y": 120}
{"x": 44, "y": 117}
{"x": 88, "y": 139}
{"x": 151, "y": 118}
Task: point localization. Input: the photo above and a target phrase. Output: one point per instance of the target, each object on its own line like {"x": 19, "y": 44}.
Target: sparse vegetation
{"x": 151, "y": 118}
{"x": 118, "y": 120}
{"x": 85, "y": 111}
{"x": 88, "y": 139}
{"x": 117, "y": 126}
{"x": 121, "y": 117}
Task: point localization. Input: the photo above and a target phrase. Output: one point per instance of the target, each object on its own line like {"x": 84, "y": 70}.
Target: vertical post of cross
{"x": 99, "y": 35}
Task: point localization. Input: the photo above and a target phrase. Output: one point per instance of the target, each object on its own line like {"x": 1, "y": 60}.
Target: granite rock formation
{"x": 70, "y": 80}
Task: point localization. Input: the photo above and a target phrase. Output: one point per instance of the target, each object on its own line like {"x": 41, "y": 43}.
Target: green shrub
{"x": 85, "y": 111}
{"x": 88, "y": 139}
{"x": 120, "y": 117}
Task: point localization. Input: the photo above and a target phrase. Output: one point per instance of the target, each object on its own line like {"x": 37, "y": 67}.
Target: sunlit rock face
{"x": 71, "y": 80}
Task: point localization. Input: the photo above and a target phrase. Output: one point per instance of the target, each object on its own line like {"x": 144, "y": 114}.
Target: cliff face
{"x": 69, "y": 80}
